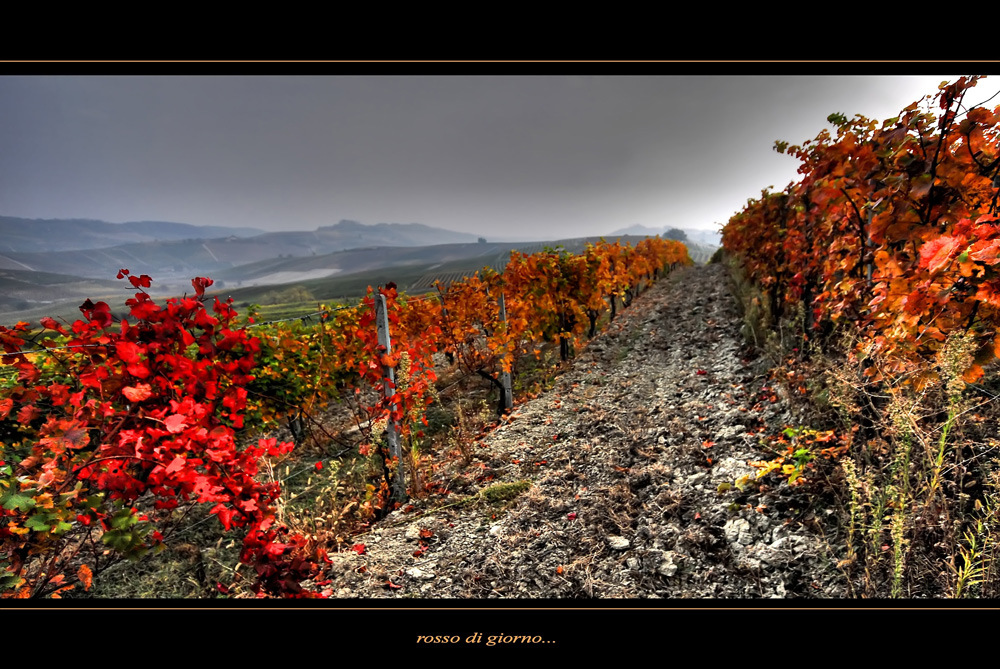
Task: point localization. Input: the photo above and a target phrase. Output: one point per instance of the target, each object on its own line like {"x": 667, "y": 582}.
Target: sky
{"x": 537, "y": 156}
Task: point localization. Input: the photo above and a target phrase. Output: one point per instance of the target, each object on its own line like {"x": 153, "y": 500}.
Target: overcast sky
{"x": 501, "y": 156}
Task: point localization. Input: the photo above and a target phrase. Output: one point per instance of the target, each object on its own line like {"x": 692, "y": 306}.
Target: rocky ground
{"x": 617, "y": 482}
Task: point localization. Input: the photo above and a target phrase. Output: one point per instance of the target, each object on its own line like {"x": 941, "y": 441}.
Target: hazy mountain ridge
{"x": 396, "y": 234}
{"x": 183, "y": 258}
{"x": 38, "y": 235}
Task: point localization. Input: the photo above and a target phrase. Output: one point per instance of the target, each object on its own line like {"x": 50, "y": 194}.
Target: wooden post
{"x": 508, "y": 399}
{"x": 389, "y": 389}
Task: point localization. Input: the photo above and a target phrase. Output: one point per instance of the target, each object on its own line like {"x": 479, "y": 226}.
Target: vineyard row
{"x": 893, "y": 229}
{"x": 123, "y": 422}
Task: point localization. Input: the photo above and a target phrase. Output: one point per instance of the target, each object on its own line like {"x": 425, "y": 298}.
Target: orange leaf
{"x": 56, "y": 595}
{"x": 85, "y": 575}
{"x": 936, "y": 253}
{"x": 988, "y": 253}
{"x": 973, "y": 374}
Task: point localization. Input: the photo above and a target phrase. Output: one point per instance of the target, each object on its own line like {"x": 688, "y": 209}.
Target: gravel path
{"x": 608, "y": 485}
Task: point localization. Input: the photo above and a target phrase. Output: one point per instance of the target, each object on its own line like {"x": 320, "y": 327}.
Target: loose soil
{"x": 618, "y": 481}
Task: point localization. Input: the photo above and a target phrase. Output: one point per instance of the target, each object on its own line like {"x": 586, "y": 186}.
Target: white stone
{"x": 418, "y": 573}
{"x": 618, "y": 543}
{"x": 668, "y": 567}
{"x": 737, "y": 530}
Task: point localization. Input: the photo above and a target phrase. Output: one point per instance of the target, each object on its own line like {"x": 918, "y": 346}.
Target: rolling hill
{"x": 35, "y": 235}
{"x": 180, "y": 259}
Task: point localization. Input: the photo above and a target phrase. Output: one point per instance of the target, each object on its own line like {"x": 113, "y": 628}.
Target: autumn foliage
{"x": 109, "y": 425}
{"x": 140, "y": 411}
{"x": 552, "y": 296}
{"x": 893, "y": 228}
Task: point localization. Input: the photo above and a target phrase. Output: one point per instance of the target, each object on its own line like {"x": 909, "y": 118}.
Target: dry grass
{"x": 920, "y": 483}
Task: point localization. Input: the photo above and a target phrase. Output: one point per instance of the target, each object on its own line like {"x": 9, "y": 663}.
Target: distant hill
{"x": 36, "y": 235}
{"x": 699, "y": 235}
{"x": 330, "y": 276}
{"x": 292, "y": 269}
{"x": 20, "y": 289}
{"x": 438, "y": 258}
{"x": 392, "y": 234}
{"x": 179, "y": 259}
{"x": 707, "y": 237}
{"x": 638, "y": 230}
{"x": 347, "y": 274}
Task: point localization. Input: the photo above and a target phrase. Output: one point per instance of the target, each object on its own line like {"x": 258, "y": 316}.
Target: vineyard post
{"x": 389, "y": 388}
{"x": 508, "y": 398}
